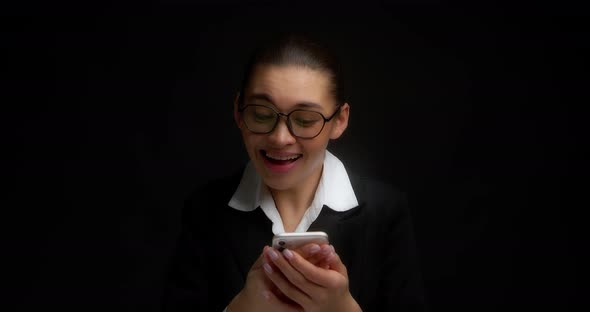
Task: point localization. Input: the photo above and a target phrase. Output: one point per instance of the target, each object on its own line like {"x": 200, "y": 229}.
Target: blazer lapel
{"x": 248, "y": 232}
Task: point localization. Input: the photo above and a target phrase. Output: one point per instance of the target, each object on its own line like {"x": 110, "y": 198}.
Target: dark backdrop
{"x": 114, "y": 111}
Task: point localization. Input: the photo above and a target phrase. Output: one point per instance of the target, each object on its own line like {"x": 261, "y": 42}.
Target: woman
{"x": 289, "y": 108}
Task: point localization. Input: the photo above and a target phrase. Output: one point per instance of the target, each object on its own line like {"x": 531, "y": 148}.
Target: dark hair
{"x": 300, "y": 50}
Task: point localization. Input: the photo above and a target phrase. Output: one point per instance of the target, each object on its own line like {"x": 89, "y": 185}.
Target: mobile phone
{"x": 295, "y": 240}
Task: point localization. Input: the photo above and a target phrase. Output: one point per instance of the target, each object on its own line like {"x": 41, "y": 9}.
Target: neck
{"x": 292, "y": 203}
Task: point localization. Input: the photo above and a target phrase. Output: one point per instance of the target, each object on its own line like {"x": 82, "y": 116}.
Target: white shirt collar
{"x": 334, "y": 190}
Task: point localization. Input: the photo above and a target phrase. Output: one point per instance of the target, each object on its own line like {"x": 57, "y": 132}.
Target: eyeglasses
{"x": 303, "y": 124}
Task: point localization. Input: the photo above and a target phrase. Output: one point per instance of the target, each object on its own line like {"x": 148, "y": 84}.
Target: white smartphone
{"x": 295, "y": 240}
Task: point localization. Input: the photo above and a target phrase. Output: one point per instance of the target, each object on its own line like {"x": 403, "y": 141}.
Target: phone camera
{"x": 282, "y": 243}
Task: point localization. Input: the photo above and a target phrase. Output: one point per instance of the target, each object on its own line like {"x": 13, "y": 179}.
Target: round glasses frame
{"x": 288, "y": 120}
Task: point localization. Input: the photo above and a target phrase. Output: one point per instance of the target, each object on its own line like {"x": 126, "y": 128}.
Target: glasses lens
{"x": 306, "y": 124}
{"x": 259, "y": 119}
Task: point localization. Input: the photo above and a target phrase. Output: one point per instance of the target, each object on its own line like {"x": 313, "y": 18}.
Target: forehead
{"x": 289, "y": 86}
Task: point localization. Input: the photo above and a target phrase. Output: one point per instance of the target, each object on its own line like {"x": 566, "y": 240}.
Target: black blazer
{"x": 219, "y": 244}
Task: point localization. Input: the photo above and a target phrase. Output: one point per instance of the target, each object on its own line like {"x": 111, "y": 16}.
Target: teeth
{"x": 282, "y": 157}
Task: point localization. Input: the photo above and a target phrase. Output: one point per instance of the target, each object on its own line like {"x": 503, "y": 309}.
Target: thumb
{"x": 259, "y": 262}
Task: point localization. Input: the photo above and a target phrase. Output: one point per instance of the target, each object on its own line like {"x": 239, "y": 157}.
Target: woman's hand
{"x": 260, "y": 294}
{"x": 312, "y": 287}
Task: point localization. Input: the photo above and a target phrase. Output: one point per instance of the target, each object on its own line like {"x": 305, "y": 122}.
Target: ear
{"x": 237, "y": 115}
{"x": 340, "y": 122}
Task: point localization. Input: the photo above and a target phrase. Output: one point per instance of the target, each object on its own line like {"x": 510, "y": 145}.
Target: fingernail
{"x": 313, "y": 249}
{"x": 326, "y": 250}
{"x": 273, "y": 255}
{"x": 332, "y": 246}
{"x": 266, "y": 295}
{"x": 267, "y": 268}
{"x": 288, "y": 254}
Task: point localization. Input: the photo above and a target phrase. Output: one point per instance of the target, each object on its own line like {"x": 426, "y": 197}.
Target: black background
{"x": 114, "y": 111}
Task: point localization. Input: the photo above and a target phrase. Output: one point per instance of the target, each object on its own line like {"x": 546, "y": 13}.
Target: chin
{"x": 277, "y": 183}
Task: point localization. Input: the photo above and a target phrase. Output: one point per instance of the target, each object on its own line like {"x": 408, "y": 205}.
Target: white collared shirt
{"x": 334, "y": 191}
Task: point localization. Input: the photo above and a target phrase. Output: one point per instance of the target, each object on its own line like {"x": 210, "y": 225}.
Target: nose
{"x": 281, "y": 134}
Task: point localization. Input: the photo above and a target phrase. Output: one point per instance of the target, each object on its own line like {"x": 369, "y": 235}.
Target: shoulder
{"x": 206, "y": 198}
{"x": 378, "y": 197}
{"x": 373, "y": 189}
{"x": 221, "y": 186}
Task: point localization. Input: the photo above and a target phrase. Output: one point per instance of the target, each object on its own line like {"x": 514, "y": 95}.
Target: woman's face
{"x": 286, "y": 88}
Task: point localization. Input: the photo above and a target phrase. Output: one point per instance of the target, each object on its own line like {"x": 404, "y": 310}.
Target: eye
{"x": 263, "y": 117}
{"x": 306, "y": 119}
{"x": 305, "y": 122}
{"x": 260, "y": 114}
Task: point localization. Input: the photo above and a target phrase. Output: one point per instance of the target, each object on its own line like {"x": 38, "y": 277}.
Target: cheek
{"x": 316, "y": 149}
{"x": 252, "y": 143}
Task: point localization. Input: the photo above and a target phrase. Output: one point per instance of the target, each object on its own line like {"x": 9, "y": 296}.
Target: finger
{"x": 308, "y": 251}
{"x": 324, "y": 264}
{"x": 269, "y": 283}
{"x": 335, "y": 263}
{"x": 293, "y": 275}
{"x": 319, "y": 276}
{"x": 321, "y": 257}
{"x": 281, "y": 280}
{"x": 260, "y": 260}
{"x": 318, "y": 256}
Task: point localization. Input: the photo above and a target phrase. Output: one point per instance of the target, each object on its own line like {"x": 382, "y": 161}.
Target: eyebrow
{"x": 267, "y": 98}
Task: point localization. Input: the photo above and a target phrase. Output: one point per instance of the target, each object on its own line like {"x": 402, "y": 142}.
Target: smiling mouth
{"x": 280, "y": 159}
